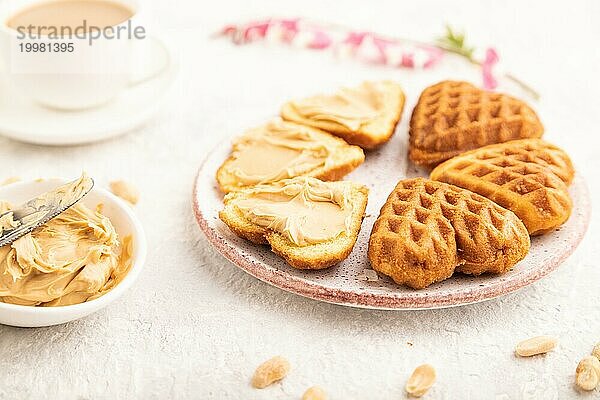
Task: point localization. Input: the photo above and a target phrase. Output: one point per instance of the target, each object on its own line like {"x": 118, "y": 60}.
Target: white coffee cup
{"x": 93, "y": 74}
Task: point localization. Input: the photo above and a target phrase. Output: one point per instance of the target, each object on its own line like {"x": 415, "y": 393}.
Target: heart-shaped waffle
{"x": 427, "y": 230}
{"x": 528, "y": 177}
{"x": 453, "y": 117}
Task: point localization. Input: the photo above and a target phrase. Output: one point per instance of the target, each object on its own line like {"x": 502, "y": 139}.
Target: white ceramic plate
{"x": 25, "y": 121}
{"x": 125, "y": 223}
{"x": 381, "y": 171}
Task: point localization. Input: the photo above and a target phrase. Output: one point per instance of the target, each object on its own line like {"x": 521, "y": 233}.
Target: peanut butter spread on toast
{"x": 349, "y": 107}
{"x": 305, "y": 210}
{"x": 277, "y": 150}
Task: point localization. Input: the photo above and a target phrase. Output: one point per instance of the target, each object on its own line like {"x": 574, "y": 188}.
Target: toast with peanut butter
{"x": 310, "y": 223}
{"x": 365, "y": 116}
{"x": 281, "y": 150}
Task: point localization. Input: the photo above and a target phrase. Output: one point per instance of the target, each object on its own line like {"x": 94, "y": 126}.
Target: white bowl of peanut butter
{"x": 74, "y": 265}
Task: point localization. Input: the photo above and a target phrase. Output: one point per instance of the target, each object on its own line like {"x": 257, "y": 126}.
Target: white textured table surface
{"x": 194, "y": 326}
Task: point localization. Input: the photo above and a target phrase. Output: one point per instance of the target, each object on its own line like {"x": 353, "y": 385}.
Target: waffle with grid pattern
{"x": 529, "y": 177}
{"x": 427, "y": 230}
{"x": 452, "y": 117}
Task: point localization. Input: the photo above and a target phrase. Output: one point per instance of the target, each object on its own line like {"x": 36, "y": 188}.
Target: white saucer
{"x": 25, "y": 121}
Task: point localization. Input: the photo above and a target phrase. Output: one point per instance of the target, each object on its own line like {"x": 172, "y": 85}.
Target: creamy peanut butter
{"x": 349, "y": 107}
{"x": 305, "y": 210}
{"x": 73, "y": 258}
{"x": 278, "y": 150}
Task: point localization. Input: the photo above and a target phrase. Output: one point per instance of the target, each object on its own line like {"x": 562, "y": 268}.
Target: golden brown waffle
{"x": 528, "y": 177}
{"x": 453, "y": 117}
{"x": 427, "y": 230}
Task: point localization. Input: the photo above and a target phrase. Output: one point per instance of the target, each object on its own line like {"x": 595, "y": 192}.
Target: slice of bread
{"x": 344, "y": 158}
{"x": 311, "y": 256}
{"x": 370, "y": 134}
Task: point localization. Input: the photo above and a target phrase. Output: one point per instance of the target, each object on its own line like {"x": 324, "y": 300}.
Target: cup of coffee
{"x": 73, "y": 54}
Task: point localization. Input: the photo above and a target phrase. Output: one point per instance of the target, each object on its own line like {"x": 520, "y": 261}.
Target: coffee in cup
{"x": 75, "y": 54}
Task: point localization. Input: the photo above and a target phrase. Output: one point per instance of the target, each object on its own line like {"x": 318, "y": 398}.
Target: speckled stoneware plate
{"x": 341, "y": 284}
{"x": 381, "y": 171}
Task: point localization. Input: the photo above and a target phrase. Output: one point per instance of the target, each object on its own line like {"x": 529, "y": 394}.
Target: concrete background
{"x": 194, "y": 326}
